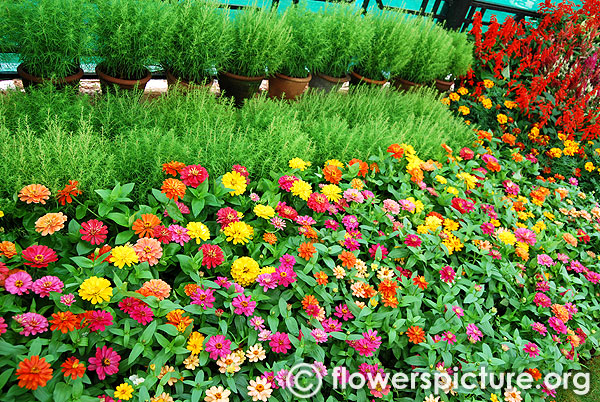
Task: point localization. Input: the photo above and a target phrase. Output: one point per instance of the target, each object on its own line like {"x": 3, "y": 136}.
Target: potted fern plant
{"x": 259, "y": 39}
{"x": 195, "y": 43}
{"x": 392, "y": 40}
{"x": 303, "y": 51}
{"x": 50, "y": 37}
{"x": 457, "y": 62}
{"x": 344, "y": 44}
{"x": 125, "y": 32}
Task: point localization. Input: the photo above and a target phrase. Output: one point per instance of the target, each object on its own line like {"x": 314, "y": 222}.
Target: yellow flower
{"x": 464, "y": 110}
{"x": 451, "y": 225}
{"x": 301, "y": 189}
{"x": 235, "y": 182}
{"x": 452, "y": 190}
{"x": 1, "y": 214}
{"x": 267, "y": 270}
{"x": 589, "y": 166}
{"x": 244, "y": 270}
{"x": 418, "y": 204}
{"x": 452, "y": 243}
{"x": 124, "y": 391}
{"x": 445, "y": 101}
{"x": 123, "y": 255}
{"x": 507, "y": 237}
{"x": 334, "y": 162}
{"x": 493, "y": 398}
{"x": 441, "y": 179}
{"x": 198, "y": 231}
{"x": 487, "y": 103}
{"x": 264, "y": 211}
{"x": 549, "y": 215}
{"x": 469, "y": 179}
{"x": 332, "y": 192}
{"x": 502, "y": 119}
{"x": 571, "y": 147}
{"x": 462, "y": 90}
{"x": 488, "y": 84}
{"x": 297, "y": 163}
{"x": 195, "y": 342}
{"x": 239, "y": 232}
{"x": 555, "y": 152}
{"x": 433, "y": 222}
{"x": 96, "y": 290}
{"x": 510, "y": 104}
{"x": 192, "y": 362}
{"x": 495, "y": 222}
{"x": 454, "y": 97}
{"x": 539, "y": 226}
{"x": 422, "y": 229}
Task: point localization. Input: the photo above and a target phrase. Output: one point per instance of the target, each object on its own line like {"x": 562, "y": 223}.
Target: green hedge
{"x": 51, "y": 137}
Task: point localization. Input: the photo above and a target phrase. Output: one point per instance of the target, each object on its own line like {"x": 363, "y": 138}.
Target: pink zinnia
{"x": 218, "y": 346}
{"x": 364, "y": 347}
{"x": 412, "y": 240}
{"x": 98, "y": 320}
{"x": 487, "y": 228}
{"x": 407, "y": 205}
{"x": 541, "y": 299}
{"x": 3, "y": 325}
{"x": 342, "y": 311}
{"x": 539, "y": 327}
{"x": 93, "y": 231}
{"x": 204, "y": 297}
{"x": 243, "y": 305}
{"x": 287, "y": 260}
{"x": 351, "y": 244}
{"x": 67, "y": 299}
{"x": 18, "y": 283}
{"x": 318, "y": 202}
{"x": 319, "y": 335}
{"x": 284, "y": 276}
{"x": 353, "y": 194}
{"x": 531, "y": 349}
{"x": 266, "y": 281}
{"x": 265, "y": 335}
{"x": 106, "y": 362}
{"x": 458, "y": 311}
{"x": 280, "y": 342}
{"x": 47, "y": 284}
{"x": 225, "y": 216}
{"x": 193, "y": 175}
{"x": 447, "y": 274}
{"x": 32, "y": 323}
{"x": 474, "y": 333}
{"x": 142, "y": 313}
{"x": 526, "y": 236}
{"x": 373, "y": 251}
{"x": 449, "y": 337}
{"x": 305, "y": 220}
{"x": 179, "y": 234}
{"x": 371, "y": 336}
{"x": 331, "y": 224}
{"x": 286, "y": 182}
{"x": 331, "y": 325}
{"x": 285, "y": 379}
{"x": 128, "y": 304}
{"x": 277, "y": 222}
{"x": 558, "y": 325}
{"x": 39, "y": 256}
{"x": 258, "y": 323}
{"x": 542, "y": 286}
{"x": 545, "y": 260}
{"x": 391, "y": 206}
{"x": 148, "y": 250}
{"x": 350, "y": 222}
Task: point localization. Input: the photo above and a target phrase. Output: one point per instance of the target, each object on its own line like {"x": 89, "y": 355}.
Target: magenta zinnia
{"x": 98, "y": 320}
{"x": 193, "y": 175}
{"x": 18, "y": 283}
{"x": 244, "y": 305}
{"x": 531, "y": 349}
{"x": 32, "y": 323}
{"x": 106, "y": 362}
{"x": 93, "y": 231}
{"x": 39, "y": 256}
{"x": 218, "y": 346}
{"x": 47, "y": 284}
{"x": 280, "y": 342}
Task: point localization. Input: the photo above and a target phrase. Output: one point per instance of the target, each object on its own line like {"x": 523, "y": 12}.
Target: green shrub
{"x": 260, "y": 38}
{"x": 196, "y": 41}
{"x": 50, "y": 35}
{"x": 126, "y": 33}
{"x": 305, "y": 49}
{"x": 345, "y": 43}
{"x": 391, "y": 45}
{"x": 462, "y": 55}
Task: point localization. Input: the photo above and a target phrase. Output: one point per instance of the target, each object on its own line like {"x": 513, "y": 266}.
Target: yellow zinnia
{"x": 235, "y": 182}
{"x": 239, "y": 232}
{"x": 96, "y": 290}
{"x": 244, "y": 271}
{"x": 332, "y": 192}
{"x": 195, "y": 342}
{"x": 124, "y": 391}
{"x": 297, "y": 163}
{"x": 198, "y": 231}
{"x": 301, "y": 189}
{"x": 264, "y": 211}
{"x": 123, "y": 255}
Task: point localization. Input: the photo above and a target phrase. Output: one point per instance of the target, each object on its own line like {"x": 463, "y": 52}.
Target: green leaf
{"x": 83, "y": 262}
{"x": 124, "y": 237}
{"x": 135, "y": 352}
{"x": 174, "y": 212}
{"x": 197, "y": 206}
{"x": 62, "y": 392}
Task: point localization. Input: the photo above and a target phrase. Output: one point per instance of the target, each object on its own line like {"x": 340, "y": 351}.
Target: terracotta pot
{"x": 326, "y": 83}
{"x": 357, "y": 79}
{"x": 443, "y": 86}
{"x": 404, "y": 85}
{"x": 185, "y": 84}
{"x": 60, "y": 83}
{"x": 282, "y": 86}
{"x": 238, "y": 86}
{"x": 108, "y": 83}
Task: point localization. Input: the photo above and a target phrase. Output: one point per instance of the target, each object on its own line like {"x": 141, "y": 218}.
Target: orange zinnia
{"x": 309, "y": 300}
{"x": 64, "y": 321}
{"x": 50, "y": 223}
{"x": 357, "y": 184}
{"x": 321, "y": 278}
{"x": 34, "y": 372}
{"x": 420, "y": 282}
{"x": 306, "y": 251}
{"x": 190, "y": 289}
{"x": 390, "y": 302}
{"x": 176, "y": 318}
{"x": 35, "y": 193}
{"x": 144, "y": 226}
{"x": 415, "y": 334}
{"x": 73, "y": 367}
{"x": 374, "y": 167}
{"x": 363, "y": 166}
{"x": 348, "y": 259}
{"x": 270, "y": 238}
{"x": 173, "y": 189}
{"x": 155, "y": 287}
{"x": 173, "y": 167}
{"x": 8, "y": 249}
{"x": 388, "y": 288}
{"x": 396, "y": 150}
{"x": 535, "y": 373}
{"x": 66, "y": 195}
{"x": 332, "y": 174}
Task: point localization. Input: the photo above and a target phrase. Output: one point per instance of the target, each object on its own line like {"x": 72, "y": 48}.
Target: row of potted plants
{"x": 199, "y": 40}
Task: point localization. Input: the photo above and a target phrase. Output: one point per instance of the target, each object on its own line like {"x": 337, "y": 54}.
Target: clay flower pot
{"x": 443, "y": 86}
{"x": 326, "y": 83}
{"x": 184, "y": 84}
{"x": 282, "y": 86}
{"x": 60, "y": 83}
{"x": 238, "y": 86}
{"x": 357, "y": 79}
{"x": 108, "y": 83}
{"x": 404, "y": 85}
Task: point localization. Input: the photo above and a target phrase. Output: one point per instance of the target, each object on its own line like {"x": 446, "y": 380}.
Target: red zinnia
{"x": 412, "y": 240}
{"x": 162, "y": 234}
{"x": 193, "y": 175}
{"x": 99, "y": 252}
{"x": 93, "y": 231}
{"x": 318, "y": 202}
{"x": 212, "y": 256}
{"x": 363, "y": 166}
{"x": 39, "y": 256}
{"x": 73, "y": 367}
{"x": 34, "y": 372}
{"x": 66, "y": 195}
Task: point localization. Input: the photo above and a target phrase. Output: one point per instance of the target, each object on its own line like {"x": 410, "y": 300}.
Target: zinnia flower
{"x": 157, "y": 288}
{"x": 244, "y": 270}
{"x": 106, "y": 362}
{"x": 123, "y": 255}
{"x": 531, "y": 349}
{"x": 280, "y": 342}
{"x": 235, "y": 182}
{"x": 217, "y": 394}
{"x": 415, "y": 334}
{"x": 212, "y": 255}
{"x": 39, "y": 256}
{"x": 47, "y": 284}
{"x": 18, "y": 283}
{"x": 96, "y": 290}
{"x": 179, "y": 234}
{"x": 193, "y": 175}
{"x": 144, "y": 226}
{"x": 173, "y": 167}
{"x": 218, "y": 346}
{"x": 98, "y": 320}
{"x": 93, "y": 231}
{"x": 32, "y": 323}
{"x": 64, "y": 321}
{"x": 173, "y": 189}
{"x": 195, "y": 343}
{"x": 239, "y": 232}
{"x": 73, "y": 368}
{"x": 412, "y": 241}
{"x": 34, "y": 193}
{"x": 198, "y": 231}
{"x": 50, "y": 223}
{"x": 66, "y": 195}
{"x": 148, "y": 250}
{"x": 124, "y": 391}
{"x": 243, "y": 305}
{"x": 34, "y": 372}
{"x": 260, "y": 389}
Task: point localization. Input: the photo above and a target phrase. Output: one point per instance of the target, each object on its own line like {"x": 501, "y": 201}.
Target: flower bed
{"x": 216, "y": 286}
